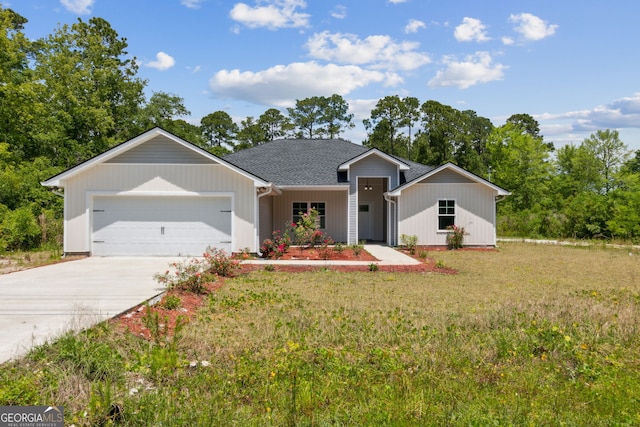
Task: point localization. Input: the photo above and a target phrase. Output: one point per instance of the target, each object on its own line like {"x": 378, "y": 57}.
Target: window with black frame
{"x": 446, "y": 214}
{"x": 300, "y": 208}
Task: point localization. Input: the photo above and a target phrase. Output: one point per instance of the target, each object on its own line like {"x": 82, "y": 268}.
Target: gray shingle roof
{"x": 306, "y": 161}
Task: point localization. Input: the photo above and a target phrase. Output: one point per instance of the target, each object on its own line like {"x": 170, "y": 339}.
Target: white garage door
{"x": 165, "y": 226}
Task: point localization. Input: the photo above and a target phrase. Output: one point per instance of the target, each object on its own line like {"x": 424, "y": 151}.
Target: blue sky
{"x": 573, "y": 65}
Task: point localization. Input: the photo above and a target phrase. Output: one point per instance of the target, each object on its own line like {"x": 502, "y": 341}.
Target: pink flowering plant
{"x": 325, "y": 250}
{"x": 277, "y": 245}
{"x": 306, "y": 229}
{"x": 193, "y": 275}
{"x": 455, "y": 238}
{"x": 218, "y": 262}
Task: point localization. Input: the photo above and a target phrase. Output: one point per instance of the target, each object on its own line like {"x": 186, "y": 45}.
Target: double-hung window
{"x": 446, "y": 214}
{"x": 300, "y": 208}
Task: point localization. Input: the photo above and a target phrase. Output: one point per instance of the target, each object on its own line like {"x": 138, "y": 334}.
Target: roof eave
{"x": 499, "y": 190}
{"x": 58, "y": 180}
{"x": 346, "y": 165}
{"x": 319, "y": 187}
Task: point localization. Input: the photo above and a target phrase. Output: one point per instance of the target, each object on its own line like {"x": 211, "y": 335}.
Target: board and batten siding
{"x": 156, "y": 180}
{"x": 265, "y": 220}
{"x": 475, "y": 211}
{"x": 161, "y": 149}
{"x": 372, "y": 167}
{"x": 336, "y": 210}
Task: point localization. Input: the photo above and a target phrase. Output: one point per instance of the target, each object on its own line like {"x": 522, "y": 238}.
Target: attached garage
{"x": 158, "y": 195}
{"x": 160, "y": 226}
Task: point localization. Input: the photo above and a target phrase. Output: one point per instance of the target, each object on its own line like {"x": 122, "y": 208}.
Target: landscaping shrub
{"x": 409, "y": 242}
{"x": 307, "y": 230}
{"x": 186, "y": 275}
{"x": 357, "y": 249}
{"x": 455, "y": 238}
{"x": 276, "y": 246}
{"x": 171, "y": 302}
{"x": 218, "y": 262}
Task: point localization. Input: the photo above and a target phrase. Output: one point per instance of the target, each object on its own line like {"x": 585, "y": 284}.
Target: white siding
{"x": 161, "y": 149}
{"x": 157, "y": 180}
{"x": 336, "y": 210}
{"x": 475, "y": 211}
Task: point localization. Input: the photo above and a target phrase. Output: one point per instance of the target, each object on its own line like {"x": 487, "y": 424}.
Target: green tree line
{"x": 75, "y": 93}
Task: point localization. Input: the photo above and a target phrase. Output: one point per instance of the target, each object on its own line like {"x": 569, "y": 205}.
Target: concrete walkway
{"x": 385, "y": 254}
{"x": 42, "y": 303}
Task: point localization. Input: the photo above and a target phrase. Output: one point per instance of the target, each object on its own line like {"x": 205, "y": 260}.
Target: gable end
{"x": 161, "y": 150}
{"x": 447, "y": 176}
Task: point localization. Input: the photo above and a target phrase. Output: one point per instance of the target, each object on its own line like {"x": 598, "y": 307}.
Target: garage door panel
{"x": 170, "y": 226}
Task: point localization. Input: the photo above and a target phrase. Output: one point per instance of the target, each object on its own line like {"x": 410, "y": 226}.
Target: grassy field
{"x": 528, "y": 335}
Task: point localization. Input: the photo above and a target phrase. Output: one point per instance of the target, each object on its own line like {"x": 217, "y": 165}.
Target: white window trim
{"x": 308, "y": 207}
{"x": 455, "y": 210}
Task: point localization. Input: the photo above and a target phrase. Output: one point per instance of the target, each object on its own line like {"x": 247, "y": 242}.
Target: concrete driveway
{"x": 40, "y": 304}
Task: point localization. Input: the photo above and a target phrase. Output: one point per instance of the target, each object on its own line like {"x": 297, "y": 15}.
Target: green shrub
{"x": 217, "y": 261}
{"x": 409, "y": 242}
{"x": 190, "y": 276}
{"x": 171, "y": 302}
{"x": 373, "y": 267}
{"x": 306, "y": 229}
{"x": 357, "y": 249}
{"x": 194, "y": 274}
{"x": 455, "y": 238}
{"x": 19, "y": 230}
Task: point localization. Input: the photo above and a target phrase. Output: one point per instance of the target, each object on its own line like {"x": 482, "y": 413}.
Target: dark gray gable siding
{"x": 161, "y": 150}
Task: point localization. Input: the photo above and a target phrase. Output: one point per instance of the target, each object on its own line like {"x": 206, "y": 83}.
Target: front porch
{"x": 346, "y": 216}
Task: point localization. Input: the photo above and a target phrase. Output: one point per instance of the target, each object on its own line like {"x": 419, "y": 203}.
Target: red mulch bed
{"x": 133, "y": 321}
{"x": 296, "y": 253}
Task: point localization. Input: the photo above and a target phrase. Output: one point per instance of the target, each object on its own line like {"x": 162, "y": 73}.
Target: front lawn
{"x": 527, "y": 335}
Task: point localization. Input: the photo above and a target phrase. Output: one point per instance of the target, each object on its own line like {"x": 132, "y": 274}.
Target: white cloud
{"x": 339, "y": 12}
{"x": 81, "y": 7}
{"x": 532, "y": 27}
{"x": 413, "y": 26}
{"x": 397, "y": 1}
{"x": 621, "y": 113}
{"x": 163, "y": 62}
{"x": 361, "y": 108}
{"x": 507, "y": 41}
{"x": 273, "y": 15}
{"x": 379, "y": 52}
{"x": 281, "y": 85}
{"x": 191, "y": 4}
{"x": 471, "y": 29}
{"x": 475, "y": 69}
